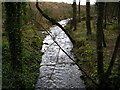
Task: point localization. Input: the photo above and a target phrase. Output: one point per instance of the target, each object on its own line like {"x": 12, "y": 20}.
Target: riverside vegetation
{"x": 85, "y": 50}
{"x": 32, "y": 24}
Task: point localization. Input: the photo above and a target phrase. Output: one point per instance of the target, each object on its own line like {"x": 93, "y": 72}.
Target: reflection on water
{"x": 57, "y": 70}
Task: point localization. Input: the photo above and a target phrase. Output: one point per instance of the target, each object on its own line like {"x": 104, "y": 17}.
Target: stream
{"x": 57, "y": 70}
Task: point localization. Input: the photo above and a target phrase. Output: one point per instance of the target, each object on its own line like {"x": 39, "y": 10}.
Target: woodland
{"x": 94, "y": 31}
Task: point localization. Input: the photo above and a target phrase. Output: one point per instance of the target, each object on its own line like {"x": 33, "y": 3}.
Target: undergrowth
{"x": 86, "y": 55}
{"x": 31, "y": 58}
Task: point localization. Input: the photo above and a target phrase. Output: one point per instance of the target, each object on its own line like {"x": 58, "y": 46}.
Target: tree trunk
{"x": 105, "y": 12}
{"x": 119, "y": 17}
{"x": 119, "y": 60}
{"x": 79, "y": 12}
{"x": 74, "y": 15}
{"x": 117, "y": 46}
{"x": 105, "y": 15}
{"x": 104, "y": 43}
{"x": 14, "y": 33}
{"x": 88, "y": 25}
{"x": 119, "y": 33}
{"x": 13, "y": 12}
{"x": 99, "y": 33}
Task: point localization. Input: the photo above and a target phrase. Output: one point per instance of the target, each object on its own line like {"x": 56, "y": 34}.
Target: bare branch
{"x": 53, "y": 21}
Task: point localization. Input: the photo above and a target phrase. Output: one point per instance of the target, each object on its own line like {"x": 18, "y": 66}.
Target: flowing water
{"x": 57, "y": 70}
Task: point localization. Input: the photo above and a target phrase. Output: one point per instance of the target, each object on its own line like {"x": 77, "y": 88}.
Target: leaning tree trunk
{"x": 52, "y": 20}
{"x": 116, "y": 49}
{"x": 117, "y": 45}
{"x": 99, "y": 33}
{"x": 74, "y": 15}
{"x": 88, "y": 17}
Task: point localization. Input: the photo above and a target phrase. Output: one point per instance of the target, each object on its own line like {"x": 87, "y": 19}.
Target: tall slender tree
{"x": 119, "y": 16}
{"x": 74, "y": 14}
{"x": 88, "y": 25}
{"x": 105, "y": 15}
{"x": 79, "y": 12}
{"x": 119, "y": 33}
{"x": 99, "y": 33}
{"x": 117, "y": 46}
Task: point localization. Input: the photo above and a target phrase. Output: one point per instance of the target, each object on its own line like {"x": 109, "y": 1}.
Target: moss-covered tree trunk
{"x": 88, "y": 25}
{"x": 12, "y": 27}
{"x": 99, "y": 33}
{"x": 74, "y": 14}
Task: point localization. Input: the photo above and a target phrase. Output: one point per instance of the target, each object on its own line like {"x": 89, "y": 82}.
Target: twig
{"x": 49, "y": 46}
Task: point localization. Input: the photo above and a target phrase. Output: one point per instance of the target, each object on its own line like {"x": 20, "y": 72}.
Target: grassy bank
{"x": 85, "y": 50}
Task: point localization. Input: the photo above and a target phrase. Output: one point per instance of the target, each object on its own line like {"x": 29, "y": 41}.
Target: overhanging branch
{"x": 53, "y": 21}
{"x": 69, "y": 56}
{"x": 56, "y": 23}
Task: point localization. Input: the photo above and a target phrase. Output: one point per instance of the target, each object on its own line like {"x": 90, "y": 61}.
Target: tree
{"x": 14, "y": 33}
{"x": 12, "y": 27}
{"x": 79, "y": 12}
{"x": 117, "y": 47}
{"x": 105, "y": 14}
{"x": 88, "y": 25}
{"x": 99, "y": 33}
{"x": 119, "y": 16}
{"x": 104, "y": 81}
{"x": 74, "y": 14}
